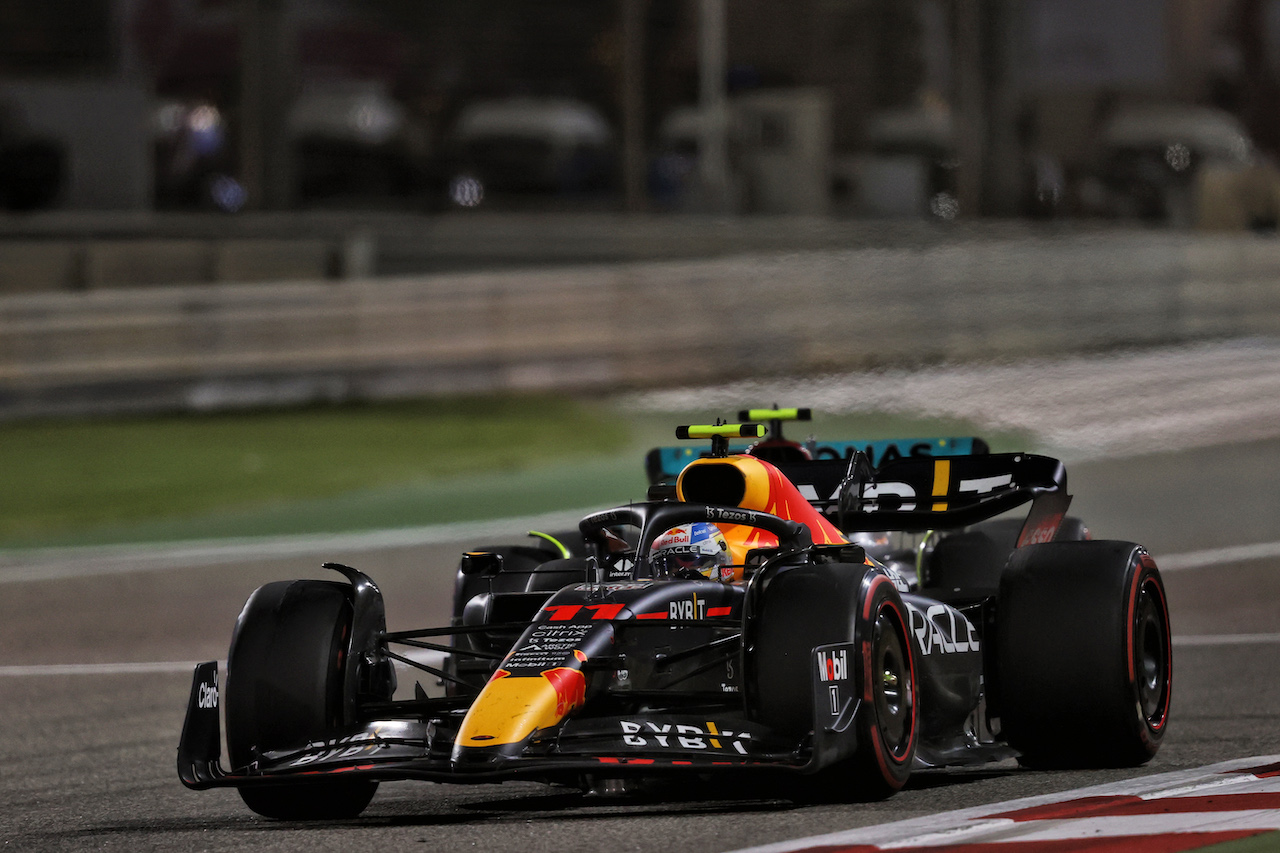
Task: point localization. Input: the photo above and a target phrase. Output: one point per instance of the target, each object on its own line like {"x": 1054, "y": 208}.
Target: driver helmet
{"x": 692, "y": 550}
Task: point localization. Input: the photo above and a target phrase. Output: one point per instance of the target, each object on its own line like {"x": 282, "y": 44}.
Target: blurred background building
{"x": 1165, "y": 110}
{"x": 515, "y": 194}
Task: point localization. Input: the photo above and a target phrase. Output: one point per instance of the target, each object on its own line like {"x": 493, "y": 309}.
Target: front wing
{"x": 399, "y": 748}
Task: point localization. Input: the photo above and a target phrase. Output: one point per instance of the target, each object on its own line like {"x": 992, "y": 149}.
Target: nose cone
{"x": 511, "y": 708}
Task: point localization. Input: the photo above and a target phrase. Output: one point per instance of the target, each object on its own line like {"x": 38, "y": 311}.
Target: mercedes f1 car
{"x": 583, "y": 659}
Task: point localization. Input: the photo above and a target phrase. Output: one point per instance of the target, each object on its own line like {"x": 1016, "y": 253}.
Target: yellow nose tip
{"x": 510, "y": 708}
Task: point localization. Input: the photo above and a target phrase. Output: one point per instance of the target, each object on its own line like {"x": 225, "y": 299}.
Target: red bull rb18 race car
{"x": 757, "y": 641}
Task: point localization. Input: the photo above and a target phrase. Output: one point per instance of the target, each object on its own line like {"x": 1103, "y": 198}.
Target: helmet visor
{"x": 685, "y": 561}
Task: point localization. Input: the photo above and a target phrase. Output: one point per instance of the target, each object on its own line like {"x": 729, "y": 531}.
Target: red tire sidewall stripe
{"x": 1147, "y": 562}
{"x": 1144, "y": 570}
{"x": 884, "y": 758}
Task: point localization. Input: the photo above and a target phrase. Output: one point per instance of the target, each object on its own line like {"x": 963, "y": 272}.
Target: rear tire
{"x": 811, "y": 606}
{"x": 285, "y": 686}
{"x": 1084, "y": 655}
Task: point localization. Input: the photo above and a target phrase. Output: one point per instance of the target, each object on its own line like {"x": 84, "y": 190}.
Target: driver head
{"x": 691, "y": 551}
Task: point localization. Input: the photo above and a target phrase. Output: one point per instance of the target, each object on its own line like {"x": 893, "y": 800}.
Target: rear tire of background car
{"x": 284, "y": 686}
{"x": 811, "y": 606}
{"x": 1084, "y": 659}
{"x": 517, "y": 562}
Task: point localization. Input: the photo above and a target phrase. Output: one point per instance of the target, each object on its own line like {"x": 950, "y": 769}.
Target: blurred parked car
{"x": 909, "y": 168}
{"x": 351, "y": 142}
{"x": 528, "y": 146}
{"x": 673, "y": 170}
{"x": 354, "y": 142}
{"x": 1165, "y": 163}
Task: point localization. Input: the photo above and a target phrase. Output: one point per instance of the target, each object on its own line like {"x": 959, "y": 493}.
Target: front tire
{"x": 285, "y": 686}
{"x": 1084, "y": 655}
{"x": 887, "y": 733}
{"x": 818, "y": 605}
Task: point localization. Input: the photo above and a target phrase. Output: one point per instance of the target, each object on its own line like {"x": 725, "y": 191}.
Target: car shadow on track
{"x": 924, "y": 780}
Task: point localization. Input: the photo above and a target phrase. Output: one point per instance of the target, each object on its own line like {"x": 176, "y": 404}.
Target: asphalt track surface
{"x": 87, "y": 755}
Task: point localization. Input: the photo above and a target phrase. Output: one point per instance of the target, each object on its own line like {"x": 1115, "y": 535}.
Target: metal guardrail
{"x": 42, "y": 266}
{"x": 627, "y": 325}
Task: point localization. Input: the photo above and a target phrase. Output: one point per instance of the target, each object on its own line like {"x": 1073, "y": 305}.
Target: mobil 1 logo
{"x": 835, "y": 686}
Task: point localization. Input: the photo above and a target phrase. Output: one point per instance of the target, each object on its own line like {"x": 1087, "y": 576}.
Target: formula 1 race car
{"x": 820, "y": 484}
{"x": 608, "y": 658}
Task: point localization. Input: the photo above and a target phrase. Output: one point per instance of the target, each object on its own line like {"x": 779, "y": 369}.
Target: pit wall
{"x": 592, "y": 328}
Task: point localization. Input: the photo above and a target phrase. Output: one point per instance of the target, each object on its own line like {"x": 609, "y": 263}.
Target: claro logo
{"x": 207, "y": 697}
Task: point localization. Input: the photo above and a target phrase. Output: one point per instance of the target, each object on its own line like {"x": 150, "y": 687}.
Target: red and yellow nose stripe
{"x": 510, "y": 708}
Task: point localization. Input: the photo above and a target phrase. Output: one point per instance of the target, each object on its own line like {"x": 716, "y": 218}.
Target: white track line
{"x": 101, "y": 668}
{"x": 1197, "y": 640}
{"x": 1218, "y": 556}
{"x": 19, "y": 566}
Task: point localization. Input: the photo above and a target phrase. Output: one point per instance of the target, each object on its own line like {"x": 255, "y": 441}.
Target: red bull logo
{"x": 512, "y": 707}
{"x": 570, "y": 686}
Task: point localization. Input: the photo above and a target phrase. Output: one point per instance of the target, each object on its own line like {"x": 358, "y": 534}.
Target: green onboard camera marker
{"x": 720, "y": 433}
{"x": 775, "y": 414}
{"x": 775, "y": 417}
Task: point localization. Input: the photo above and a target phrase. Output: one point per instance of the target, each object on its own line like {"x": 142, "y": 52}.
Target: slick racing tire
{"x": 818, "y": 605}
{"x": 285, "y": 686}
{"x": 1084, "y": 661}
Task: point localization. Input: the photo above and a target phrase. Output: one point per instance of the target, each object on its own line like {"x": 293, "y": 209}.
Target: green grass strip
{"x": 62, "y": 479}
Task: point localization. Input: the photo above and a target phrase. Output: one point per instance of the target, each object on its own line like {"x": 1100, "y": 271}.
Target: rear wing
{"x": 942, "y": 493}
{"x": 665, "y": 463}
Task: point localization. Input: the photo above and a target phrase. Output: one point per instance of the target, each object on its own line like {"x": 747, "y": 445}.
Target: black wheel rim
{"x": 892, "y": 685}
{"x": 1151, "y": 653}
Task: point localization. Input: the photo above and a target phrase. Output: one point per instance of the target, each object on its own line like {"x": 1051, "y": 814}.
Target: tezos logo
{"x": 719, "y": 514}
